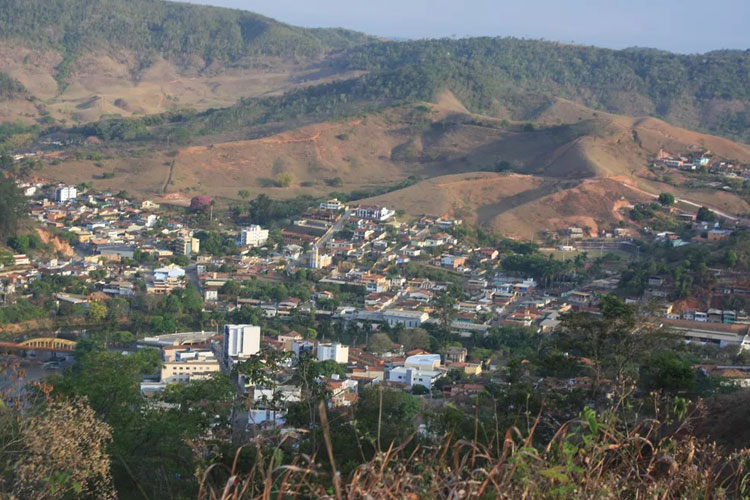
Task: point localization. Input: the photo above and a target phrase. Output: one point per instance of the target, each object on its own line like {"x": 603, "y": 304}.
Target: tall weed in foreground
{"x": 595, "y": 456}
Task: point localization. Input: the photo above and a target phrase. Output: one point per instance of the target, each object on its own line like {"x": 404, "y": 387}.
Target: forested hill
{"x": 708, "y": 92}
{"x": 173, "y": 30}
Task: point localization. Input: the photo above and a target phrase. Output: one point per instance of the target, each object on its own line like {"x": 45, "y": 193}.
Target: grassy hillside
{"x": 549, "y": 176}
{"x": 517, "y": 78}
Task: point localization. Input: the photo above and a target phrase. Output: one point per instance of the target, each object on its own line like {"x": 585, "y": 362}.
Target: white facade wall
{"x": 333, "y": 352}
{"x": 241, "y": 340}
{"x": 65, "y": 193}
{"x": 253, "y": 236}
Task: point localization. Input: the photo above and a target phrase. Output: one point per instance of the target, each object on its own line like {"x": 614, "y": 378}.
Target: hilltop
{"x": 83, "y": 60}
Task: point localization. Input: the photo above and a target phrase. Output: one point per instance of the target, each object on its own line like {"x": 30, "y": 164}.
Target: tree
{"x": 705, "y": 215}
{"x": 414, "y": 338}
{"x": 379, "y": 343}
{"x": 97, "y": 311}
{"x": 667, "y": 371}
{"x": 614, "y": 341}
{"x": 389, "y": 415}
{"x": 283, "y": 179}
{"x": 666, "y": 199}
{"x": 13, "y": 207}
{"x": 419, "y": 390}
{"x": 445, "y": 310}
{"x": 64, "y": 454}
{"x": 730, "y": 257}
{"x": 244, "y": 194}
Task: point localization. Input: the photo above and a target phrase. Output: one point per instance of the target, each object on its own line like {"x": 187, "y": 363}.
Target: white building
{"x": 421, "y": 369}
{"x": 374, "y": 212}
{"x": 241, "y": 341}
{"x": 65, "y": 193}
{"x": 334, "y": 352}
{"x": 317, "y": 260}
{"x": 253, "y": 236}
{"x": 332, "y": 205}
{"x": 410, "y": 319}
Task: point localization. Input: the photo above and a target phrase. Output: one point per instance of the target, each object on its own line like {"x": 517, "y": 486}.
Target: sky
{"x": 685, "y": 26}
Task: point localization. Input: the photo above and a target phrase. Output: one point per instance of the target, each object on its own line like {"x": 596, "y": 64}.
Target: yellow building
{"x": 184, "y": 371}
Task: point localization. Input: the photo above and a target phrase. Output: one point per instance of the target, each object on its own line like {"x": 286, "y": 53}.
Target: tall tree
{"x": 13, "y": 207}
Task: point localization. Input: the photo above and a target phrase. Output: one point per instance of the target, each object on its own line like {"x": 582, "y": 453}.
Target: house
{"x": 655, "y": 281}
{"x": 375, "y": 283}
{"x": 575, "y": 233}
{"x": 580, "y": 298}
{"x": 487, "y": 254}
{"x": 455, "y": 355}
{"x": 332, "y": 205}
{"x": 211, "y": 294}
{"x": 472, "y": 369}
{"x": 289, "y": 303}
{"x": 288, "y": 339}
{"x": 343, "y": 391}
{"x": 420, "y": 295}
{"x": 452, "y": 261}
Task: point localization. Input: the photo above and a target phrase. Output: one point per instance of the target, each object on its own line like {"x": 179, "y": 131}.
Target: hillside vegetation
{"x": 10, "y": 87}
{"x": 78, "y": 55}
{"x": 148, "y": 27}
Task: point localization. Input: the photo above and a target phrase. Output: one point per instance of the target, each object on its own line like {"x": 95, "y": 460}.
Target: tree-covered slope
{"x": 173, "y": 30}
{"x": 10, "y": 87}
{"x": 710, "y": 92}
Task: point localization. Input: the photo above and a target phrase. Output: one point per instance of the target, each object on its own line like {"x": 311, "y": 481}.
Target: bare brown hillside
{"x": 577, "y": 173}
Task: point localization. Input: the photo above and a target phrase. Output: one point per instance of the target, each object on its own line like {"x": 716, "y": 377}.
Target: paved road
{"x": 321, "y": 243}
{"x": 682, "y": 200}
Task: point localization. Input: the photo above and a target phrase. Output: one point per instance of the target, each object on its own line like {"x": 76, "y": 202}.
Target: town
{"x": 414, "y": 304}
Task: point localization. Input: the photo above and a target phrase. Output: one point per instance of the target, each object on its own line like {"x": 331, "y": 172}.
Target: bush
{"x": 283, "y": 179}
{"x": 666, "y": 199}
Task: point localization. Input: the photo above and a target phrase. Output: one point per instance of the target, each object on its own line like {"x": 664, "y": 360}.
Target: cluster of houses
{"x": 694, "y": 161}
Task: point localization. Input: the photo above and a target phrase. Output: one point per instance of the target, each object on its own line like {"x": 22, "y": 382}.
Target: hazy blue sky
{"x": 677, "y": 25}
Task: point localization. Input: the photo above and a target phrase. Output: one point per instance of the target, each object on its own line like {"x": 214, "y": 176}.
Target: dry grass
{"x": 591, "y": 457}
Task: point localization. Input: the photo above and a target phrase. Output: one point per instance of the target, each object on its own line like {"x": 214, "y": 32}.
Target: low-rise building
{"x": 409, "y": 319}
{"x": 421, "y": 369}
